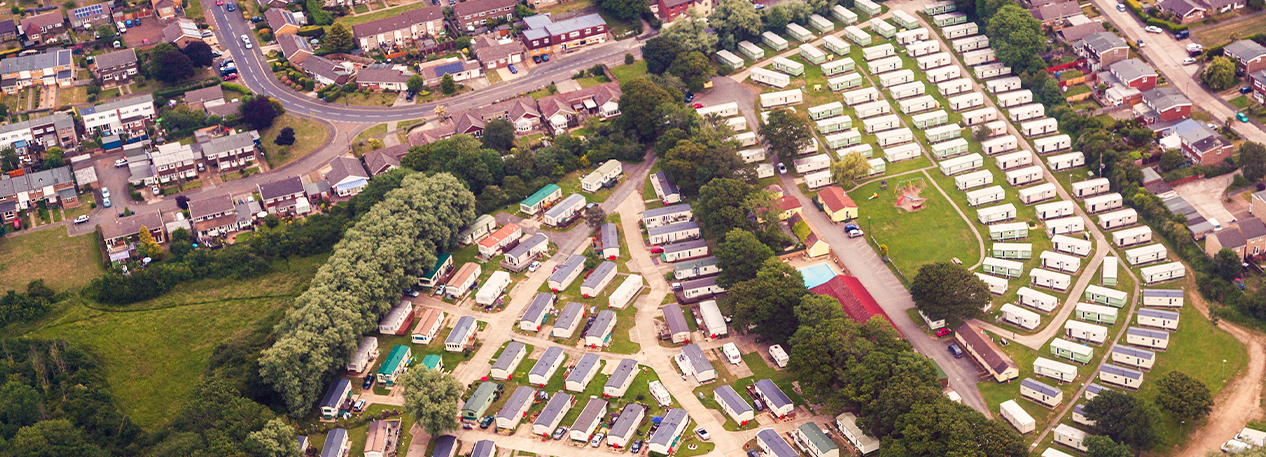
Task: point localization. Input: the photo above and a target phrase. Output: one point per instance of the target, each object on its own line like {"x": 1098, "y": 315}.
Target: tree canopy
{"x": 786, "y": 132}
{"x": 767, "y": 301}
{"x": 740, "y": 256}
{"x": 639, "y": 101}
{"x": 199, "y": 53}
{"x": 431, "y": 396}
{"x": 1253, "y": 161}
{"x": 1184, "y": 396}
{"x": 1219, "y": 74}
{"x": 498, "y": 135}
{"x": 1124, "y": 418}
{"x": 943, "y": 290}
{"x": 734, "y": 21}
{"x": 259, "y": 112}
{"x": 1017, "y": 37}
{"x": 339, "y": 39}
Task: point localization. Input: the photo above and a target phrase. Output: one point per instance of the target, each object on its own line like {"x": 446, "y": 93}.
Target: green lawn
{"x": 73, "y": 95}
{"x": 64, "y": 263}
{"x": 370, "y": 99}
{"x": 627, "y": 72}
{"x": 309, "y": 136}
{"x": 361, "y": 144}
{"x": 1240, "y": 102}
{"x": 380, "y": 14}
{"x": 907, "y": 235}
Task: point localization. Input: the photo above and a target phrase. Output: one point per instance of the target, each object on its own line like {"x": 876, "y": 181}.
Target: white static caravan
{"x": 836, "y": 45}
{"x": 912, "y": 36}
{"x": 875, "y": 125}
{"x": 1118, "y": 219}
{"x": 1038, "y": 300}
{"x": 860, "y": 96}
{"x": 822, "y": 24}
{"x": 941, "y": 7}
{"x": 1164, "y": 272}
{"x": 1004, "y": 268}
{"x": 1070, "y": 245}
{"x": 764, "y": 170}
{"x": 878, "y": 51}
{"x": 812, "y": 163}
{"x": 1038, "y": 193}
{"x": 1121, "y": 376}
{"x": 923, "y": 48}
{"x": 1066, "y": 161}
{"x": 907, "y": 90}
{"x": 842, "y": 14}
{"x": 1039, "y": 127}
{"x": 902, "y": 152}
{"x": 730, "y": 109}
{"x": 1014, "y": 97}
{"x": 896, "y": 77}
{"x": 872, "y": 109}
{"x": 1024, "y": 176}
{"x": 1017, "y": 417}
{"x": 953, "y": 147}
{"x": 1093, "y": 390}
{"x": 948, "y": 19}
{"x": 819, "y": 179}
{"x": 965, "y": 101}
{"x": 943, "y": 133}
{"x": 1065, "y": 225}
{"x": 980, "y": 116}
{"x": 784, "y": 98}
{"x": 812, "y": 54}
{"x": 798, "y": 32}
{"x": 846, "y": 139}
{"x": 960, "y": 30}
{"x": 746, "y": 139}
{"x": 789, "y": 66}
{"x": 883, "y": 28}
{"x": 730, "y": 59}
{"x": 1082, "y": 331}
{"x": 856, "y": 35}
{"x": 995, "y": 128}
{"x": 1071, "y": 437}
{"x": 986, "y": 196}
{"x": 624, "y": 294}
{"x": 869, "y": 7}
{"x": 971, "y": 43}
{"x": 1164, "y": 298}
{"x": 877, "y": 167}
{"x": 1059, "y": 371}
{"x": 1025, "y": 112}
{"x": 946, "y": 73}
{"x": 937, "y": 60}
{"x": 958, "y": 165}
{"x": 1133, "y": 357}
{"x": 821, "y": 112}
{"x": 1041, "y": 393}
{"x": 973, "y": 180}
{"x": 1154, "y": 339}
{"x": 1020, "y": 317}
{"x": 834, "y": 124}
{"x": 979, "y": 56}
{"x": 1090, "y": 187}
{"x": 1109, "y": 273}
{"x": 955, "y": 87}
{"x": 750, "y": 50}
{"x": 1075, "y": 352}
{"x": 936, "y": 119}
{"x": 1049, "y": 279}
{"x": 1011, "y": 250}
{"x": 865, "y": 150}
{"x": 1060, "y": 262}
{"x": 904, "y": 19}
{"x": 838, "y": 66}
{"x": 996, "y": 86}
{"x": 1053, "y": 143}
{"x": 1011, "y": 231}
{"x": 1098, "y": 314}
{"x": 991, "y": 70}
{"x": 894, "y": 137}
{"x": 997, "y": 286}
{"x": 845, "y": 81}
{"x": 1132, "y": 236}
{"x": 999, "y": 145}
{"x": 1146, "y": 254}
{"x": 1062, "y": 208}
{"x": 1106, "y": 296}
{"x": 1167, "y": 320}
{"x": 737, "y": 123}
{"x": 774, "y": 41}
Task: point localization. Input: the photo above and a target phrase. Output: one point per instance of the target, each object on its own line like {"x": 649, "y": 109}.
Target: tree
{"x": 625, "y": 10}
{"x": 767, "y": 302}
{"x": 1253, "y": 161}
{"x": 786, "y": 133}
{"x": 1184, "y": 396}
{"x": 1124, "y": 418}
{"x": 639, "y": 100}
{"x": 258, "y": 112}
{"x": 447, "y": 85}
{"x": 276, "y": 439}
{"x": 659, "y": 53}
{"x": 692, "y": 33}
{"x": 1227, "y": 264}
{"x": 944, "y": 428}
{"x": 9, "y": 159}
{"x": 22, "y": 409}
{"x": 498, "y": 135}
{"x": 415, "y": 84}
{"x": 740, "y": 256}
{"x": 53, "y": 159}
{"x": 441, "y": 112}
{"x": 1017, "y": 38}
{"x": 175, "y": 66}
{"x": 53, "y": 438}
{"x": 693, "y": 68}
{"x": 339, "y": 39}
{"x": 1219, "y": 74}
{"x": 1102, "y": 446}
{"x": 199, "y": 53}
{"x": 431, "y": 396}
{"x": 319, "y": 16}
{"x": 943, "y": 290}
{"x": 1172, "y": 159}
{"x": 106, "y": 31}
{"x": 595, "y": 216}
{"x": 286, "y": 137}
{"x": 148, "y": 247}
{"x": 734, "y": 21}
{"x": 850, "y": 167}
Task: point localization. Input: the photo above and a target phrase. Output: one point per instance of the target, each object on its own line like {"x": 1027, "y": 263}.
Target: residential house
{"x": 1254, "y": 232}
{"x": 164, "y": 9}
{"x": 1134, "y": 73}
{"x": 87, "y": 17}
{"x": 1186, "y": 11}
{"x": 116, "y": 67}
{"x": 281, "y": 196}
{"x": 213, "y": 216}
{"x": 347, "y": 176}
{"x": 294, "y": 48}
{"x": 182, "y": 32}
{"x": 1247, "y": 54}
{"x": 1079, "y": 32}
{"x": 670, "y": 10}
{"x": 459, "y": 70}
{"x": 1204, "y": 146}
{"x": 30, "y": 138}
{"x": 231, "y": 152}
{"x": 128, "y": 116}
{"x": 284, "y": 22}
{"x": 1102, "y": 49}
{"x": 837, "y": 205}
{"x": 1231, "y": 238}
{"x": 1165, "y": 104}
{"x": 1055, "y": 12}
{"x": 400, "y": 32}
{"x": 380, "y": 79}
{"x": 120, "y": 237}
{"x": 8, "y": 30}
{"x": 494, "y": 53}
{"x": 175, "y": 161}
{"x": 542, "y": 36}
{"x": 521, "y": 112}
{"x": 1223, "y": 6}
{"x": 384, "y": 160}
{"x": 54, "y": 187}
{"x": 327, "y": 72}
{"x": 472, "y": 14}
{"x": 208, "y": 96}
{"x": 563, "y": 111}
{"x": 44, "y": 28}
{"x": 54, "y": 66}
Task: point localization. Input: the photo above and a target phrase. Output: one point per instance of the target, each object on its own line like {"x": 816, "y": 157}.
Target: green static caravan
{"x": 863, "y": 149}
{"x": 951, "y": 148}
{"x": 942, "y": 7}
{"x": 1012, "y": 251}
{"x": 856, "y": 35}
{"x": 844, "y": 139}
{"x": 545, "y": 196}
{"x": 393, "y": 365}
{"x": 883, "y": 28}
{"x": 1098, "y": 314}
{"x": 877, "y": 167}
{"x": 842, "y": 14}
{"x": 483, "y": 397}
{"x": 894, "y": 137}
{"x": 812, "y": 54}
{"x": 1103, "y": 295}
{"x": 1109, "y": 277}
{"x": 729, "y": 59}
{"x": 907, "y": 37}
{"x": 943, "y": 133}
{"x": 834, "y": 124}
{"x": 1076, "y": 352}
{"x": 838, "y": 66}
{"x": 929, "y": 120}
{"x": 799, "y": 33}
{"x": 918, "y": 104}
{"x": 868, "y": 7}
{"x": 820, "y": 23}
{"x": 948, "y": 19}
{"x": 1008, "y": 231}
{"x": 845, "y": 81}
{"x": 772, "y": 40}
{"x": 789, "y": 66}
{"x": 1004, "y": 268}
{"x": 828, "y": 110}
{"x": 904, "y": 19}
{"x": 836, "y": 45}
{"x": 751, "y": 50}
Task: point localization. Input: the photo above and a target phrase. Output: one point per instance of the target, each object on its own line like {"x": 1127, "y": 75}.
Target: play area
{"x": 917, "y": 227}
{"x": 907, "y": 194}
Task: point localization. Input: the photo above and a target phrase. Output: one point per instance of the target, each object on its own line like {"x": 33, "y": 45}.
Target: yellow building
{"x": 838, "y": 206}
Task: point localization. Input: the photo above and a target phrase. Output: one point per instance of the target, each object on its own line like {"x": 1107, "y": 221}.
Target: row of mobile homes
{"x": 1146, "y": 254}
{"x": 1164, "y": 272}
{"x": 941, "y": 7}
{"x": 798, "y": 32}
{"x": 979, "y": 56}
{"x": 834, "y": 124}
{"x": 843, "y": 14}
{"x": 861, "y": 96}
{"x": 1132, "y": 236}
{"x": 1041, "y": 393}
{"x": 1060, "y": 262}
{"x": 1014, "y": 160}
{"x": 1163, "y": 298}
{"x": 971, "y": 43}
{"x": 846, "y": 139}
{"x": 770, "y": 78}
{"x": 1004, "y": 268}
{"x": 856, "y": 35}
{"x": 1020, "y": 317}
{"x": 999, "y": 145}
{"x": 1017, "y": 417}
{"x": 1024, "y": 176}
{"x": 1066, "y": 161}
{"x": 1071, "y": 437}
{"x": 1010, "y": 231}
{"x": 943, "y": 133}
{"x": 1039, "y": 127}
{"x": 772, "y": 40}
{"x": 931, "y": 61}
{"x": 912, "y": 36}
{"x": 904, "y": 19}
{"x": 883, "y": 65}
{"x": 872, "y": 109}
{"x": 1053, "y": 143}
{"x": 923, "y": 48}
{"x": 783, "y": 98}
{"x": 1081, "y": 331}
{"x": 819, "y": 179}
{"x": 812, "y": 54}
{"x": 883, "y": 28}
{"x": 896, "y": 77}
{"x": 1103, "y": 295}
{"x": 1065, "y": 226}
{"x": 1154, "y": 339}
{"x": 1059, "y": 371}
{"x": 907, "y": 90}
{"x": 1118, "y": 219}
{"x": 1075, "y": 352}
{"x": 789, "y": 66}
{"x": 946, "y": 73}
{"x": 838, "y": 46}
{"x": 1167, "y": 320}
{"x": 838, "y": 66}
{"x": 976, "y": 179}
{"x": 1038, "y": 300}
{"x": 1000, "y": 85}
{"x": 980, "y": 116}
{"x": 952, "y": 148}
{"x": 1038, "y": 193}
{"x": 958, "y": 165}
{"x": 1121, "y": 376}
{"x": 894, "y": 137}
{"x": 869, "y": 7}
{"x": 1025, "y": 112}
{"x": 986, "y": 196}
{"x": 820, "y": 112}
{"x": 751, "y": 50}
{"x": 1011, "y": 250}
{"x": 730, "y": 59}
{"x": 1133, "y": 357}
{"x": 991, "y": 70}
{"x": 997, "y": 286}
{"x": 1098, "y": 314}
{"x": 960, "y": 30}
{"x": 1049, "y": 279}
{"x": 955, "y": 87}
{"x": 1014, "y": 97}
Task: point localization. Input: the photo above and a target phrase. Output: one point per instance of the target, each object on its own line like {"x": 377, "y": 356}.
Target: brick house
{"x": 476, "y": 13}
{"x": 213, "y": 216}
{"x": 115, "y": 68}
{"x": 562, "y": 111}
{"x": 128, "y": 115}
{"x": 1134, "y": 73}
{"x": 1056, "y": 12}
{"x": 494, "y": 54}
{"x": 1247, "y": 54}
{"x": 229, "y": 153}
{"x": 1223, "y": 6}
{"x": 542, "y": 36}
{"x": 380, "y": 79}
{"x": 281, "y": 196}
{"x": 31, "y": 138}
{"x": 122, "y": 237}
{"x": 1166, "y": 104}
{"x": 294, "y": 48}
{"x": 670, "y": 10}
{"x": 44, "y": 28}
{"x": 54, "y": 187}
{"x": 383, "y": 160}
{"x": 1202, "y": 145}
{"x": 1254, "y": 232}
{"x": 400, "y": 32}
{"x": 1186, "y": 11}
{"x": 182, "y": 32}
{"x": 54, "y": 66}
{"x": 1231, "y": 238}
{"x": 174, "y": 162}
{"x": 89, "y": 16}
{"x": 283, "y": 22}
{"x": 1102, "y": 49}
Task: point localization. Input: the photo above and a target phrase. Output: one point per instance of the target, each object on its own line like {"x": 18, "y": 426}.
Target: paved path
{"x": 980, "y": 242}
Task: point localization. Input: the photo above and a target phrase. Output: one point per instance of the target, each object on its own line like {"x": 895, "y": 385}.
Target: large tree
{"x": 1253, "y": 161}
{"x": 787, "y": 133}
{"x": 945, "y": 428}
{"x": 431, "y": 396}
{"x": 1017, "y": 37}
{"x": 850, "y": 167}
{"x": 199, "y": 53}
{"x": 498, "y": 135}
{"x": 692, "y": 33}
{"x": 692, "y": 165}
{"x": 943, "y": 290}
{"x": 1102, "y": 446}
{"x": 625, "y": 10}
{"x": 53, "y": 438}
{"x": 639, "y": 101}
{"x": 1124, "y": 418}
{"x": 659, "y": 53}
{"x": 1219, "y": 74}
{"x": 1227, "y": 264}
{"x": 176, "y": 66}
{"x": 259, "y": 112}
{"x": 767, "y": 302}
{"x": 1184, "y": 396}
{"x": 693, "y": 68}
{"x": 339, "y": 39}
{"x": 276, "y": 439}
{"x": 740, "y": 256}
{"x": 734, "y": 21}
{"x": 720, "y": 207}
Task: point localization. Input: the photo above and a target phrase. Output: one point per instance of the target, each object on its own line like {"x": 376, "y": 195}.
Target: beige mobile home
{"x": 980, "y": 116}
{"x": 1000, "y": 85}
{"x": 875, "y": 125}
{"x": 1081, "y": 331}
{"x": 979, "y": 56}
{"x": 985, "y": 196}
{"x": 1021, "y": 317}
{"x": 999, "y": 145}
{"x": 1167, "y": 320}
{"x": 1133, "y": 357}
{"x": 819, "y": 179}
{"x": 1154, "y": 339}
{"x": 958, "y": 165}
{"x": 1014, "y": 97}
{"x": 976, "y": 179}
{"x": 1132, "y": 236}
{"x": 907, "y": 90}
{"x": 1053, "y": 143}
{"x": 1014, "y": 160}
{"x": 928, "y": 120}
{"x": 1164, "y": 298}
{"x": 895, "y": 77}
{"x": 923, "y": 48}
{"x": 946, "y": 73}
{"x": 1017, "y": 417}
{"x": 1041, "y": 393}
{"x": 1038, "y": 193}
{"x": 860, "y": 96}
{"x": 1121, "y": 376}
{"x": 931, "y": 61}
{"x": 1059, "y": 371}
{"x": 770, "y": 77}
{"x": 1066, "y": 161}
{"x": 872, "y": 109}
{"x": 971, "y": 43}
{"x": 955, "y": 87}
{"x": 997, "y": 286}
{"x": 1164, "y": 272}
{"x": 784, "y": 98}
{"x": 1039, "y": 127}
{"x": 1118, "y": 219}
{"x": 1065, "y": 225}
{"x": 1024, "y": 176}
{"x": 1054, "y": 210}
{"x": 990, "y": 70}
{"x": 911, "y": 36}
{"x": 1038, "y": 300}
{"x": 1060, "y": 262}
{"x": 1071, "y": 437}
{"x": 960, "y": 30}
{"x": 1025, "y": 112}
{"x": 894, "y": 137}
{"x": 1049, "y": 279}
{"x": 772, "y": 40}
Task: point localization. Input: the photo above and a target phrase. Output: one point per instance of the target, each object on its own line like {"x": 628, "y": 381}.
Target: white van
{"x": 1234, "y": 446}
{"x": 732, "y": 353}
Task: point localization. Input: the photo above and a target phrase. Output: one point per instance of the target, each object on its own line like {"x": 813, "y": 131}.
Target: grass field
{"x": 73, "y": 95}
{"x": 1240, "y": 102}
{"x": 63, "y": 262}
{"x": 309, "y": 136}
{"x": 370, "y": 99}
{"x": 627, "y": 72}
{"x": 907, "y": 235}
{"x": 375, "y": 131}
{"x": 1222, "y": 34}
{"x": 380, "y": 14}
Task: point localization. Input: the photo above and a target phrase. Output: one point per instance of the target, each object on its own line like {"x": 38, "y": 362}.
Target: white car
{"x": 247, "y": 40}
{"x": 782, "y": 168}
{"x": 120, "y": 163}
{"x": 1138, "y": 42}
{"x": 81, "y": 219}
{"x": 105, "y": 192}
{"x": 1235, "y": 446}
{"x": 1188, "y": 61}
{"x": 1153, "y": 29}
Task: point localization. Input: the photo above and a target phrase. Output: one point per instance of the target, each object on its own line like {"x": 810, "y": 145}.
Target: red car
{"x": 942, "y": 332}
{"x": 230, "y": 77}
{"x": 698, "y": 105}
{"x": 219, "y": 2}
{"x": 657, "y": 250}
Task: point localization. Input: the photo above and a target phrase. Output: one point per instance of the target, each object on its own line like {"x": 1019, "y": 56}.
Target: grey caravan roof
{"x": 556, "y": 406}
{"x": 511, "y": 352}
{"x": 572, "y": 263}
{"x": 604, "y": 269}
{"x": 515, "y": 405}
{"x": 699, "y": 263}
{"x": 675, "y": 319}
{"x": 444, "y": 446}
{"x": 593, "y": 412}
{"x": 569, "y": 315}
{"x": 1095, "y": 388}
{"x": 727, "y": 395}
{"x": 565, "y": 205}
{"x": 626, "y": 368}
{"x": 1079, "y": 409}
{"x": 334, "y": 443}
{"x": 484, "y": 448}
{"x": 332, "y": 396}
{"x": 698, "y": 361}
{"x": 525, "y": 246}
{"x": 628, "y": 419}
{"x": 1159, "y": 314}
{"x": 548, "y": 359}
{"x": 778, "y": 447}
{"x": 665, "y": 211}
{"x": 698, "y": 283}
{"x": 587, "y": 363}
{"x": 1166, "y": 293}
{"x": 1113, "y": 369}
{"x": 1043, "y": 388}
{"x": 667, "y": 185}
{"x": 460, "y": 330}
{"x": 610, "y": 235}
{"x": 668, "y": 426}
{"x": 773, "y": 393}
{"x": 672, "y": 228}
{"x": 605, "y": 318}
{"x": 539, "y": 306}
{"x": 1148, "y": 333}
{"x": 685, "y": 246}
{"x": 1134, "y": 352}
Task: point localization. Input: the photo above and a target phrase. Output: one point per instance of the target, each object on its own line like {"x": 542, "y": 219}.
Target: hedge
{"x": 311, "y": 31}
{"x": 1149, "y": 20}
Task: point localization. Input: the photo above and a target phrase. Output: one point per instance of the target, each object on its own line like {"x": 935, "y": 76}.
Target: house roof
{"x": 1148, "y": 333}
{"x": 587, "y": 364}
{"x": 1131, "y": 69}
{"x": 567, "y": 204}
{"x": 486, "y": 448}
{"x": 777, "y": 446}
{"x": 131, "y": 225}
{"x": 487, "y": 49}
{"x": 699, "y": 283}
{"x": 512, "y": 109}
{"x": 540, "y": 305}
{"x": 554, "y": 410}
{"x": 815, "y": 435}
{"x": 628, "y": 421}
{"x": 1219, "y": 4}
{"x": 342, "y": 168}
{"x": 279, "y": 17}
{"x": 182, "y": 28}
{"x": 115, "y": 105}
{"x": 204, "y": 95}
{"x": 569, "y": 102}
{"x": 666, "y": 210}
{"x": 1103, "y": 41}
{"x": 118, "y": 59}
{"x": 684, "y": 246}
{"x": 444, "y": 446}
{"x": 772, "y": 393}
{"x": 478, "y": 6}
{"x": 736, "y": 403}
{"x": 552, "y": 356}
{"x": 275, "y": 189}
{"x": 506, "y": 360}
{"x": 380, "y": 160}
{"x": 697, "y": 263}
{"x": 333, "y": 393}
{"x": 398, "y": 22}
{"x": 1158, "y": 313}
{"x": 1134, "y": 352}
{"x": 697, "y": 359}
{"x": 451, "y": 68}
{"x": 1252, "y": 228}
{"x": 1056, "y": 11}
{"x": 42, "y": 61}
{"x": 603, "y": 271}
{"x": 334, "y": 442}
{"x": 570, "y": 315}
{"x": 1245, "y": 49}
{"x": 1164, "y": 98}
{"x": 41, "y": 21}
{"x": 673, "y": 420}
{"x": 665, "y": 184}
{"x": 461, "y": 329}
{"x": 589, "y": 417}
{"x": 1120, "y": 371}
{"x": 1230, "y": 239}
{"x": 518, "y": 402}
{"x": 626, "y": 369}
{"x": 1038, "y": 386}
{"x": 327, "y": 69}
{"x": 602, "y": 325}
{"x": 224, "y": 109}
{"x": 381, "y": 75}
{"x": 575, "y": 24}
{"x": 32, "y": 181}
{"x": 211, "y": 205}
{"x": 834, "y": 199}
{"x": 1078, "y": 32}
{"x": 229, "y": 143}
{"x": 567, "y": 268}
{"x": 788, "y": 203}
{"x": 853, "y": 297}
{"x": 1180, "y": 7}
{"x": 609, "y": 235}
{"x": 526, "y": 246}
{"x": 292, "y": 44}
{"x": 673, "y": 228}
{"x": 984, "y": 347}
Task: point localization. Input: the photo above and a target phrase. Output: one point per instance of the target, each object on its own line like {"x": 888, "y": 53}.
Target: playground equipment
{"x": 906, "y": 192}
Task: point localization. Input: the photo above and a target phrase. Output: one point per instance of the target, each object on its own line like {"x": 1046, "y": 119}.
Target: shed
{"x": 1121, "y": 376}
{"x": 1163, "y": 298}
{"x": 539, "y": 309}
{"x": 1154, "y": 339}
{"x": 1060, "y": 262}
{"x": 1062, "y": 208}
{"x": 515, "y": 408}
{"x": 1134, "y": 357}
{"x": 1041, "y": 393}
{"x": 545, "y": 367}
{"x": 1082, "y": 331}
{"x": 1071, "y": 437}
{"x": 1017, "y": 417}
{"x": 986, "y": 196}
{"x": 1076, "y": 352}
{"x": 552, "y": 414}
{"x": 734, "y": 406}
{"x": 1163, "y": 272}
{"x": 1011, "y": 250}
{"x": 1021, "y": 317}
{"x": 600, "y": 331}
{"x": 508, "y": 361}
{"x": 586, "y": 423}
{"x": 1070, "y": 245}
{"x": 582, "y": 373}
{"x": 1058, "y": 371}
{"x": 625, "y": 426}
{"x": 621, "y": 378}
{"x": 1040, "y": 301}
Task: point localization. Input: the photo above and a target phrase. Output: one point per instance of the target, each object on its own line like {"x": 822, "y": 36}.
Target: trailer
{"x": 1049, "y": 279}
{"x": 752, "y": 155}
{"x": 836, "y": 45}
{"x": 1118, "y": 219}
{"x": 1024, "y": 176}
{"x": 979, "y": 57}
{"x": 1038, "y": 193}
{"x": 934, "y": 8}
{"x": 918, "y": 104}
{"x": 958, "y": 86}
{"x": 923, "y": 48}
{"x": 951, "y": 148}
{"x": 845, "y": 139}
{"x": 1071, "y": 437}
{"x": 1040, "y": 301}
{"x": 907, "y": 90}
{"x": 883, "y": 65}
{"x": 1022, "y": 251}
{"x": 997, "y": 286}
{"x": 1075, "y": 352}
{"x": 1060, "y": 262}
{"x": 861, "y": 96}
{"x": 1105, "y": 296}
{"x": 843, "y": 14}
{"x": 819, "y": 179}
{"x": 1014, "y": 98}
{"x": 1154, "y": 339}
{"x": 1132, "y": 236}
{"x": 838, "y": 67}
{"x": 863, "y": 149}
{"x": 992, "y": 214}
{"x": 1020, "y": 317}
{"x": 820, "y": 23}
{"x": 877, "y": 166}
{"x": 1054, "y": 210}
{"x": 882, "y": 27}
{"x": 1167, "y": 320}
{"x": 1103, "y": 203}
{"x": 812, "y": 163}
{"x": 1001, "y": 85}
{"x": 1025, "y": 112}
{"x": 772, "y": 40}
{"x": 999, "y": 145}
{"x": 875, "y": 125}
{"x": 1065, "y": 226}
{"x": 730, "y": 109}
{"x": 986, "y": 196}
{"x": 912, "y": 36}
{"x": 948, "y": 19}
{"x": 1163, "y": 298}
{"x": 1041, "y": 393}
{"x": 821, "y": 112}
{"x": 1004, "y": 268}
{"x": 937, "y": 60}
{"x": 1066, "y": 161}
{"x": 1058, "y": 371}
{"x": 1133, "y": 357}
{"x": 769, "y": 77}
{"x": 856, "y": 35}
{"x": 1098, "y": 314}
{"x": 1053, "y": 143}
{"x": 1079, "y": 417}
{"x": 895, "y": 78}
{"x": 872, "y": 109}
{"x": 960, "y": 30}
{"x": 902, "y": 152}
{"x": 943, "y": 133}
{"x": 789, "y": 66}
{"x": 1109, "y": 275}
{"x": 971, "y": 43}
{"x": 868, "y": 7}
{"x": 1090, "y": 187}
{"x": 1093, "y": 390}
{"x": 1081, "y": 331}
{"x": 980, "y": 116}
{"x": 957, "y": 165}
{"x": 812, "y": 54}
{"x": 729, "y": 59}
{"x": 746, "y": 139}
{"x": 845, "y": 81}
{"x": 783, "y": 98}
{"x": 1017, "y": 417}
{"x": 904, "y": 19}
{"x": 1146, "y": 254}
{"x": 894, "y": 137}
{"x": 991, "y": 70}
{"x": 1039, "y": 127}
{"x": 751, "y": 50}
{"x": 798, "y": 32}
{"x": 1070, "y": 245}
{"x": 946, "y": 73}
{"x": 1008, "y": 231}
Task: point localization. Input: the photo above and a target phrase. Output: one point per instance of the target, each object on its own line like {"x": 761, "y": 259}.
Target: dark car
{"x": 753, "y": 453}
{"x": 257, "y": 19}
{"x": 1182, "y": 34}
{"x": 411, "y": 292}
{"x": 759, "y": 405}
{"x": 485, "y": 422}
{"x": 408, "y": 96}
{"x": 636, "y": 446}
{"x": 544, "y": 57}
{"x": 957, "y": 351}
{"x": 232, "y": 8}
{"x": 690, "y": 96}
{"x": 1245, "y": 90}
{"x": 536, "y": 59}
{"x": 369, "y": 382}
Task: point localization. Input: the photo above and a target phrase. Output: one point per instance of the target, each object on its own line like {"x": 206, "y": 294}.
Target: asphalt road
{"x": 254, "y": 74}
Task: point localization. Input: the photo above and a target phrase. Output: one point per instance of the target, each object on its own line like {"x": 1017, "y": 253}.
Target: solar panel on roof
{"x": 88, "y": 11}
{"x": 448, "y": 69}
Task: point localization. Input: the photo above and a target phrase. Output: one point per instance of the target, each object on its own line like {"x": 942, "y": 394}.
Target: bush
{"x": 311, "y": 31}
{"x": 628, "y": 59}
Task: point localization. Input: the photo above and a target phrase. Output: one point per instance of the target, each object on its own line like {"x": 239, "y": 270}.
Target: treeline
{"x": 28, "y": 306}
{"x": 380, "y": 255}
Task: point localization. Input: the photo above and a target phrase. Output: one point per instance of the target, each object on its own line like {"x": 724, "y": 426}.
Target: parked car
{"x": 1241, "y": 117}
{"x": 698, "y": 105}
{"x": 533, "y": 266}
{"x": 1188, "y": 61}
{"x": 120, "y": 163}
{"x": 1246, "y": 90}
{"x": 943, "y": 332}
{"x": 231, "y": 7}
{"x": 411, "y": 292}
{"x": 636, "y": 447}
{"x": 105, "y": 202}
{"x": 1140, "y": 43}
{"x": 156, "y": 190}
{"x": 956, "y": 351}
{"x": 257, "y": 19}
{"x": 105, "y": 192}
{"x": 485, "y": 422}
{"x": 657, "y": 249}
{"x": 544, "y": 57}
{"x": 81, "y": 219}
{"x": 358, "y": 406}
{"x": 782, "y": 169}
{"x": 1182, "y": 34}
{"x": 1153, "y": 29}
{"x": 513, "y": 70}
{"x": 753, "y": 452}
{"x": 1120, "y": 7}
{"x": 559, "y": 432}
{"x": 703, "y": 434}
{"x": 853, "y": 230}
{"x": 230, "y": 76}
{"x": 690, "y": 96}
{"x": 368, "y": 382}
{"x": 758, "y": 404}
{"x": 536, "y": 59}
{"x": 597, "y": 440}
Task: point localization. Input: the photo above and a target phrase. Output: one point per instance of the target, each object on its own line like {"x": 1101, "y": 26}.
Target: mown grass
{"x": 62, "y": 261}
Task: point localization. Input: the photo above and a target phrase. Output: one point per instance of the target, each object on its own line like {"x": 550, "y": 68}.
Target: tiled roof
{"x": 204, "y": 94}
{"x": 1103, "y": 41}
{"x": 378, "y": 161}
{"x": 29, "y": 24}
{"x": 1179, "y": 7}
{"x": 345, "y": 167}
{"x": 281, "y": 188}
{"x": 42, "y": 61}
{"x": 211, "y": 205}
{"x": 992, "y": 355}
{"x": 292, "y": 44}
{"x": 400, "y": 22}
{"x": 1131, "y": 69}
{"x": 601, "y": 94}
{"x": 853, "y": 297}
{"x": 1163, "y": 98}
{"x": 479, "y": 6}
{"x": 1056, "y": 11}
{"x": 1245, "y": 49}
{"x": 1252, "y": 228}
{"x": 117, "y": 59}
{"x": 381, "y": 75}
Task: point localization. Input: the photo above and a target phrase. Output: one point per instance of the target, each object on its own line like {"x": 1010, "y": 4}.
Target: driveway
{"x": 1206, "y": 196}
